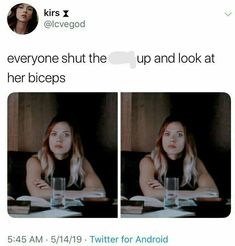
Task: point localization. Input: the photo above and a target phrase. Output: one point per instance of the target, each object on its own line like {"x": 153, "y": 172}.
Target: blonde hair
{"x": 158, "y": 155}
{"x": 45, "y": 155}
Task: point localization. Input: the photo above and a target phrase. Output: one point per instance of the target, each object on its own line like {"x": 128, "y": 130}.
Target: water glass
{"x": 171, "y": 197}
{"x": 57, "y": 193}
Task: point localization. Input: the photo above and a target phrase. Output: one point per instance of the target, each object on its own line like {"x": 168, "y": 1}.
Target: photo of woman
{"x": 51, "y": 137}
{"x": 176, "y": 142}
{"x": 61, "y": 155}
{"x": 22, "y": 18}
{"x": 174, "y": 155}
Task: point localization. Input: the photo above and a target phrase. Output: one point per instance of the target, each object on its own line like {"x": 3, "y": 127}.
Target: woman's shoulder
{"x": 33, "y": 167}
{"x": 199, "y": 163}
{"x": 146, "y": 166}
{"x": 147, "y": 157}
{"x": 86, "y": 164}
{"x": 85, "y": 161}
{"x": 146, "y": 160}
{"x": 33, "y": 160}
{"x": 200, "y": 166}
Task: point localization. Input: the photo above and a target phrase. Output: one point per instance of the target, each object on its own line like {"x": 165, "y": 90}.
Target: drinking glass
{"x": 58, "y": 192}
{"x": 171, "y": 198}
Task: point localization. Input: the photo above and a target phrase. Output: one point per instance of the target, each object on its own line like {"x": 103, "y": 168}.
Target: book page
{"x": 35, "y": 201}
{"x": 148, "y": 201}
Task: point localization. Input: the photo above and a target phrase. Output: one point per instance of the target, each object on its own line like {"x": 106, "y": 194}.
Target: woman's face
{"x": 60, "y": 140}
{"x": 24, "y": 12}
{"x": 173, "y": 140}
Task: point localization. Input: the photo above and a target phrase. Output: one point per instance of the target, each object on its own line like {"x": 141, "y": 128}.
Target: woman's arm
{"x": 92, "y": 181}
{"x": 148, "y": 184}
{"x": 205, "y": 181}
{"x": 92, "y": 184}
{"x": 39, "y": 188}
{"x": 36, "y": 186}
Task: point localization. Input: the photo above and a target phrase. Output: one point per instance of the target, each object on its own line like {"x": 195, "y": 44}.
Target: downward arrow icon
{"x": 228, "y": 13}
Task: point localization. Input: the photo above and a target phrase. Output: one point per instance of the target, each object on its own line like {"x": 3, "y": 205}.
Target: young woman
{"x": 174, "y": 155}
{"x": 22, "y": 18}
{"x": 61, "y": 156}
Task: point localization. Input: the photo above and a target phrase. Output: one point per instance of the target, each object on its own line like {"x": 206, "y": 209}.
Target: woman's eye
{"x": 167, "y": 134}
{"x": 180, "y": 134}
{"x": 53, "y": 134}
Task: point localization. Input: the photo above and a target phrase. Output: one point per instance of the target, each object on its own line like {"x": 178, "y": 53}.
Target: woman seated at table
{"x": 175, "y": 155}
{"x": 62, "y": 155}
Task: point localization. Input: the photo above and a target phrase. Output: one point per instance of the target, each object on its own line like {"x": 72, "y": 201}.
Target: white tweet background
{"x": 145, "y": 27}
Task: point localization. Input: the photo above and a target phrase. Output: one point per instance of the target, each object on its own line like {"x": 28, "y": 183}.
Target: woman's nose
{"x": 172, "y": 139}
{"x": 59, "y": 138}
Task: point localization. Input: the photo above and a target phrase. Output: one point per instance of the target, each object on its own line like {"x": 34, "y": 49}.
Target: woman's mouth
{"x": 173, "y": 146}
{"x": 58, "y": 146}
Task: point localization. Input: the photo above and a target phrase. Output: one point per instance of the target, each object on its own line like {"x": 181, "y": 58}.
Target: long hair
{"x": 45, "y": 155}
{"x": 158, "y": 154}
{"x": 11, "y": 19}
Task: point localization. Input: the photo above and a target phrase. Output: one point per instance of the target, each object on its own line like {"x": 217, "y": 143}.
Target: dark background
{"x": 209, "y": 116}
{"x": 98, "y": 131}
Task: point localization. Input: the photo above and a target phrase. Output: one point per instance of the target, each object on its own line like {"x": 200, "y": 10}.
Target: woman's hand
{"x": 41, "y": 184}
{"x": 155, "y": 184}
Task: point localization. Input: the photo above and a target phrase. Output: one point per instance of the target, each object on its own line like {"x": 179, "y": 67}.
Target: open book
{"x": 140, "y": 204}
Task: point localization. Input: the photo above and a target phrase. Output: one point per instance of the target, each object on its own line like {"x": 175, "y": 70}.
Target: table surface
{"x": 50, "y": 213}
{"x": 106, "y": 211}
{"x": 163, "y": 213}
{"x": 94, "y": 210}
{"x": 206, "y": 210}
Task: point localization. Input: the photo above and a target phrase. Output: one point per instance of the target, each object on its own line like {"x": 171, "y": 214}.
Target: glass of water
{"x": 171, "y": 197}
{"x": 58, "y": 192}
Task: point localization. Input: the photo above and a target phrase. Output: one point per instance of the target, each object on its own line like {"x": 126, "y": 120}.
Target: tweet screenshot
{"x": 117, "y": 122}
